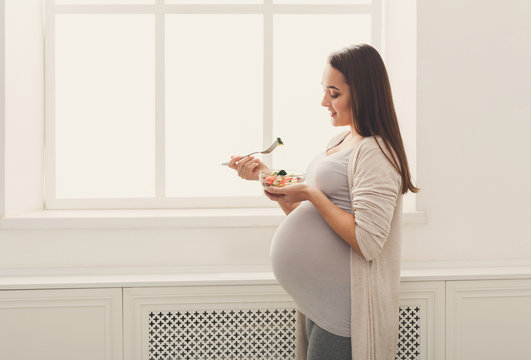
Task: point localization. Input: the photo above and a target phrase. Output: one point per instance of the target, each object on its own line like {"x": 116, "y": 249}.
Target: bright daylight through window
{"x": 145, "y": 99}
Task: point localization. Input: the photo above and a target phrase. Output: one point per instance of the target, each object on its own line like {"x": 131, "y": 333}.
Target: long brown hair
{"x": 372, "y": 102}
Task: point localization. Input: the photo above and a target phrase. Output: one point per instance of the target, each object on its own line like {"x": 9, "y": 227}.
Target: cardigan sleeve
{"x": 374, "y": 194}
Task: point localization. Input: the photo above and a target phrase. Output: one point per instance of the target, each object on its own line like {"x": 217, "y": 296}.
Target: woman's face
{"x": 336, "y": 96}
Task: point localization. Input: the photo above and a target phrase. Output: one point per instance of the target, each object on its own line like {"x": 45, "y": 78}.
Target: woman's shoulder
{"x": 369, "y": 144}
{"x": 373, "y": 154}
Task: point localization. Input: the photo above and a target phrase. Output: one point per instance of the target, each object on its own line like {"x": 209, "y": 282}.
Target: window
{"x": 145, "y": 99}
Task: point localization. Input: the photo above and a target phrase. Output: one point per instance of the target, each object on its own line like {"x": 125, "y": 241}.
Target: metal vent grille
{"x": 408, "y": 334}
{"x": 247, "y": 334}
{"x": 231, "y": 334}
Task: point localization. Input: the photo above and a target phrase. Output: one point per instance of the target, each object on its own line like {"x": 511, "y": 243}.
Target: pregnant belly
{"x": 309, "y": 259}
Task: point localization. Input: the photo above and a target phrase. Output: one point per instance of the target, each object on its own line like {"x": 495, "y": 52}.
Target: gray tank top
{"x": 310, "y": 261}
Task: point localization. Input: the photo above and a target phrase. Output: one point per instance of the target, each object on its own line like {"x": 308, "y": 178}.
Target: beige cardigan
{"x": 375, "y": 283}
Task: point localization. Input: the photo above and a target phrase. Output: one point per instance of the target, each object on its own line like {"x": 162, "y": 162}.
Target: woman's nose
{"x": 324, "y": 101}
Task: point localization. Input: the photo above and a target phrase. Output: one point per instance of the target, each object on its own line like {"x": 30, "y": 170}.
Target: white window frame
{"x": 22, "y": 152}
{"x": 159, "y": 9}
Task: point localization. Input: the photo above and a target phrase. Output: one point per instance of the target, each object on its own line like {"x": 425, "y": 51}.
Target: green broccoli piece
{"x": 279, "y": 141}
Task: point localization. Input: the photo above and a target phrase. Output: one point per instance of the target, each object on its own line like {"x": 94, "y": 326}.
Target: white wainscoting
{"x": 80, "y": 324}
{"x": 241, "y": 316}
{"x": 428, "y": 297}
{"x": 488, "y": 319}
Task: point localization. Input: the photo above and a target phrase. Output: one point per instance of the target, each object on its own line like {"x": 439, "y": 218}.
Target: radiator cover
{"x": 247, "y": 334}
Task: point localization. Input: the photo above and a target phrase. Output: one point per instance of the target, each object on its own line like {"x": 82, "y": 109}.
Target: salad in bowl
{"x": 280, "y": 177}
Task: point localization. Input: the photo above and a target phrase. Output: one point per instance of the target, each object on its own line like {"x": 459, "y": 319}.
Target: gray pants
{"x": 323, "y": 345}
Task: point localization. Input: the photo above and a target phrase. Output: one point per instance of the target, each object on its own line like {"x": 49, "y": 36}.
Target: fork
{"x": 266, "y": 151}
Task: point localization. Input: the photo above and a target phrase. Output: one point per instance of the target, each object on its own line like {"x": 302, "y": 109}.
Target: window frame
{"x": 22, "y": 206}
{"x": 159, "y": 9}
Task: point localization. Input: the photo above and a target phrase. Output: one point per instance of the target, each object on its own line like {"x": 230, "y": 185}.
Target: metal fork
{"x": 266, "y": 151}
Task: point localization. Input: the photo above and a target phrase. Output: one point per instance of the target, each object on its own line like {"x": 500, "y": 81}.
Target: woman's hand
{"x": 290, "y": 194}
{"x": 247, "y": 168}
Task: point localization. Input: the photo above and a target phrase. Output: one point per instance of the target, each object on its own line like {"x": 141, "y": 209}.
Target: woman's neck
{"x": 353, "y": 137}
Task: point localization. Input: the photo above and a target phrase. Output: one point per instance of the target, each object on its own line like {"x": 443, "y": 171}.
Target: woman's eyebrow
{"x": 331, "y": 87}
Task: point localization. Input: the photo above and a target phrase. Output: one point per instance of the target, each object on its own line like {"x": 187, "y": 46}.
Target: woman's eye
{"x": 333, "y": 96}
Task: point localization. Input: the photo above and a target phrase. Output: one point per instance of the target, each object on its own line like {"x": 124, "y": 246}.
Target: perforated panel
{"x": 219, "y": 334}
{"x": 247, "y": 334}
{"x": 408, "y": 334}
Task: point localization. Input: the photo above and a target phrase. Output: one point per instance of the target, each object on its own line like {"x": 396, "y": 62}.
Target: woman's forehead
{"x": 332, "y": 77}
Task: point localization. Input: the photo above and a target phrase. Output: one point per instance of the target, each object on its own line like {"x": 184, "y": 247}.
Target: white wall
{"x": 24, "y": 104}
{"x": 400, "y": 56}
{"x": 474, "y": 117}
{"x": 2, "y": 109}
{"x": 474, "y": 125}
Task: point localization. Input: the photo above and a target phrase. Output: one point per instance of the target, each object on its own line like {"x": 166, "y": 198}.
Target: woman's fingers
{"x": 270, "y": 197}
{"x": 242, "y": 162}
{"x": 243, "y": 166}
{"x": 232, "y": 162}
{"x": 243, "y": 172}
{"x": 275, "y": 191}
{"x": 246, "y": 167}
{"x": 249, "y": 169}
{"x": 273, "y": 196}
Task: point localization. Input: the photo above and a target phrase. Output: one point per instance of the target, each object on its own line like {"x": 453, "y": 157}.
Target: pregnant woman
{"x": 337, "y": 252}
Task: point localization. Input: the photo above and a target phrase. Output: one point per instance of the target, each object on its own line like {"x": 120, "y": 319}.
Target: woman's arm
{"x": 340, "y": 221}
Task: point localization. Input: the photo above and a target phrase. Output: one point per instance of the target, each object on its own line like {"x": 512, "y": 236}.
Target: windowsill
{"x": 158, "y": 218}
{"x": 124, "y": 278}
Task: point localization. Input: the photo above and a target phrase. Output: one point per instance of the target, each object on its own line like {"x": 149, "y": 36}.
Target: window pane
{"x": 327, "y": 2}
{"x": 214, "y": 67}
{"x": 301, "y": 46}
{"x": 104, "y": 103}
{"x": 114, "y": 2}
{"x": 222, "y": 2}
